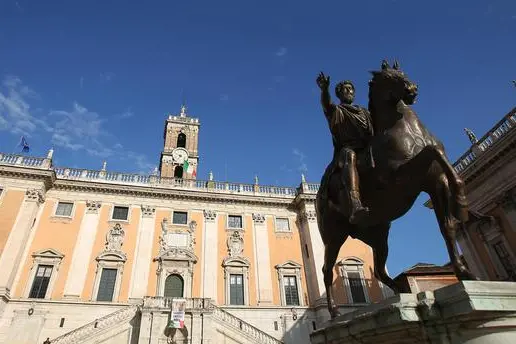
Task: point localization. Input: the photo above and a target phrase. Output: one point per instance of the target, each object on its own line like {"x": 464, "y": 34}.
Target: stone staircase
{"x": 79, "y": 335}
{"x": 244, "y": 328}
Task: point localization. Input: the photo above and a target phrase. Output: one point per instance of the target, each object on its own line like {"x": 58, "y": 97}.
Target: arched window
{"x": 178, "y": 172}
{"x": 174, "y": 286}
{"x": 181, "y": 140}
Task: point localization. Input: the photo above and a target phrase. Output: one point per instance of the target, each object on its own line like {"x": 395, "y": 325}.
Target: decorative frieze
{"x": 34, "y": 195}
{"x": 235, "y": 243}
{"x": 115, "y": 238}
{"x": 92, "y": 207}
{"x": 148, "y": 211}
{"x": 210, "y": 215}
{"x": 258, "y": 218}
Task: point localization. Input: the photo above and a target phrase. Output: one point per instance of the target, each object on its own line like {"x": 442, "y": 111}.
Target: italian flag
{"x": 188, "y": 168}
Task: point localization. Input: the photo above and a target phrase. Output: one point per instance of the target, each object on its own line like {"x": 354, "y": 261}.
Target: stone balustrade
{"x": 195, "y": 303}
{"x": 83, "y": 332}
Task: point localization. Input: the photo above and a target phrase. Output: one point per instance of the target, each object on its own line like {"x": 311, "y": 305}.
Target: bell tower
{"x": 180, "y": 156}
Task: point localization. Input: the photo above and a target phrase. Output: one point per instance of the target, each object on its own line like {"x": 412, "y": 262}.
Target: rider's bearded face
{"x": 346, "y": 94}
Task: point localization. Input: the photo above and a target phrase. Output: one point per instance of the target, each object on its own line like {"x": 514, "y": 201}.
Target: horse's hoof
{"x": 335, "y": 313}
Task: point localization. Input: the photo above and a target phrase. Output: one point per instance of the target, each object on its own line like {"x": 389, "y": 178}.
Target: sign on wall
{"x": 177, "y": 317}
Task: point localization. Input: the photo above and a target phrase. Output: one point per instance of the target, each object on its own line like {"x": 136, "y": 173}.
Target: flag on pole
{"x": 187, "y": 167}
{"x": 194, "y": 174}
{"x": 24, "y": 144}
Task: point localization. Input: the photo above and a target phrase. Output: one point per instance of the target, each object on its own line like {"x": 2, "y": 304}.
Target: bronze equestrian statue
{"x": 407, "y": 158}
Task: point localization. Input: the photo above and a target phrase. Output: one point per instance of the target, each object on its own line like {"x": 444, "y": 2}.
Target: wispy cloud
{"x": 15, "y": 111}
{"x": 77, "y": 128}
{"x": 18, "y": 6}
{"x": 279, "y": 78}
{"x": 224, "y": 97}
{"x": 126, "y": 114}
{"x": 81, "y": 82}
{"x": 282, "y": 51}
{"x": 107, "y": 76}
{"x": 300, "y": 156}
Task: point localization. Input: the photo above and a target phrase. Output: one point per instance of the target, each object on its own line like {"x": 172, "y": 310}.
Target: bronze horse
{"x": 408, "y": 160}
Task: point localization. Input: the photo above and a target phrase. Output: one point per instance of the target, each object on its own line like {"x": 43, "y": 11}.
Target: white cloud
{"x": 300, "y": 156}
{"x": 126, "y": 114}
{"x": 15, "y": 114}
{"x": 282, "y": 51}
{"x": 76, "y": 129}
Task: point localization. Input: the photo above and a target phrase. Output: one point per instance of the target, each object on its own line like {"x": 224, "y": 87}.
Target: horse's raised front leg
{"x": 331, "y": 251}
{"x": 441, "y": 199}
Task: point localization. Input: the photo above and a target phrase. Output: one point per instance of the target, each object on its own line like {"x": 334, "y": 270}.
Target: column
{"x": 210, "y": 259}
{"x": 143, "y": 254}
{"x": 81, "y": 257}
{"x": 15, "y": 245}
{"x": 309, "y": 218}
{"x": 263, "y": 261}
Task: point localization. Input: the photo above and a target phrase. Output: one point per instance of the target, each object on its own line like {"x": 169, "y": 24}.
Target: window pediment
{"x": 236, "y": 262}
{"x": 48, "y": 253}
{"x": 289, "y": 264}
{"x": 112, "y": 256}
{"x": 177, "y": 253}
{"x": 350, "y": 261}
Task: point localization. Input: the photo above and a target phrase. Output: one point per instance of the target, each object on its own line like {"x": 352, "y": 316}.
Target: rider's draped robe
{"x": 351, "y": 127}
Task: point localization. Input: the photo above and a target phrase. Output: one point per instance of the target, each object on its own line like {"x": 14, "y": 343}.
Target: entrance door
{"x": 174, "y": 286}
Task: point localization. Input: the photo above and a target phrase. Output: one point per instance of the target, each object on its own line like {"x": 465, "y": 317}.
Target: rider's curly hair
{"x": 340, "y": 85}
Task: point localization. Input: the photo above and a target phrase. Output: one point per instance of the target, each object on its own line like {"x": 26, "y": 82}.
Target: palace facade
{"x": 97, "y": 256}
{"x": 488, "y": 169}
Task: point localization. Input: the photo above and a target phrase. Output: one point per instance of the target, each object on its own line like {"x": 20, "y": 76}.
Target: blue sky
{"x": 95, "y": 80}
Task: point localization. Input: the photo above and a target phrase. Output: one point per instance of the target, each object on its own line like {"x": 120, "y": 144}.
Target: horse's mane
{"x": 375, "y": 84}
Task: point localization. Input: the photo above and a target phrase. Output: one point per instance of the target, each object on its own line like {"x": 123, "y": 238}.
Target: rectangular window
{"x": 357, "y": 289}
{"x": 107, "y": 285}
{"x": 235, "y": 221}
{"x": 282, "y": 225}
{"x": 504, "y": 257}
{"x": 120, "y": 213}
{"x": 180, "y": 217}
{"x": 64, "y": 209}
{"x": 41, "y": 281}
{"x": 291, "y": 294}
{"x": 236, "y": 289}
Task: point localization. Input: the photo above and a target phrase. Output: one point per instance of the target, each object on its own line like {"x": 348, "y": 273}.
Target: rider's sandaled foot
{"x": 359, "y": 215}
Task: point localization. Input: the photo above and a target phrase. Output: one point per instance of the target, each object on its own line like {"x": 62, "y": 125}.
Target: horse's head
{"x": 392, "y": 85}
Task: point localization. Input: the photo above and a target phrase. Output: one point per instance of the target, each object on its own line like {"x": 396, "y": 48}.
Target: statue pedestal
{"x": 469, "y": 312}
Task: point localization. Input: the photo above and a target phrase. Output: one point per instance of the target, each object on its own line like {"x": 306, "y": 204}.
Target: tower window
{"x": 181, "y": 140}
{"x": 178, "y": 172}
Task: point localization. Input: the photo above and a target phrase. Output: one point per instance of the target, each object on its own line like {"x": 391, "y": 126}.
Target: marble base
{"x": 469, "y": 312}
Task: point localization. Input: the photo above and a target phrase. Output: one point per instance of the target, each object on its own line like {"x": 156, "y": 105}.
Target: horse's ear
{"x": 385, "y": 65}
{"x": 396, "y": 65}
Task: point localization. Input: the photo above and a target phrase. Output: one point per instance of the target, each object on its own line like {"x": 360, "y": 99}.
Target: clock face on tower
{"x": 180, "y": 155}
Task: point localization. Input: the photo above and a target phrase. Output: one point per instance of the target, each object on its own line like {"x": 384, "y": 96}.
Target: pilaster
{"x": 210, "y": 255}
{"x": 263, "y": 261}
{"x": 15, "y": 245}
{"x": 81, "y": 258}
{"x": 143, "y": 253}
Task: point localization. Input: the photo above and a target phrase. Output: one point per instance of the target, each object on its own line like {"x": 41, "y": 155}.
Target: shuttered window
{"x": 236, "y": 289}
{"x": 107, "y": 285}
{"x": 291, "y": 293}
{"x": 64, "y": 209}
{"x": 41, "y": 281}
{"x": 120, "y": 213}
{"x": 234, "y": 221}
{"x": 356, "y": 286}
{"x": 179, "y": 218}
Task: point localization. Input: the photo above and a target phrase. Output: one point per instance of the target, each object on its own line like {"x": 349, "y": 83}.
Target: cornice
{"x": 159, "y": 192}
{"x": 48, "y": 177}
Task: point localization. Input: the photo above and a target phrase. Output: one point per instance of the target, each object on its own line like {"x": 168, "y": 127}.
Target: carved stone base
{"x": 469, "y": 312}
